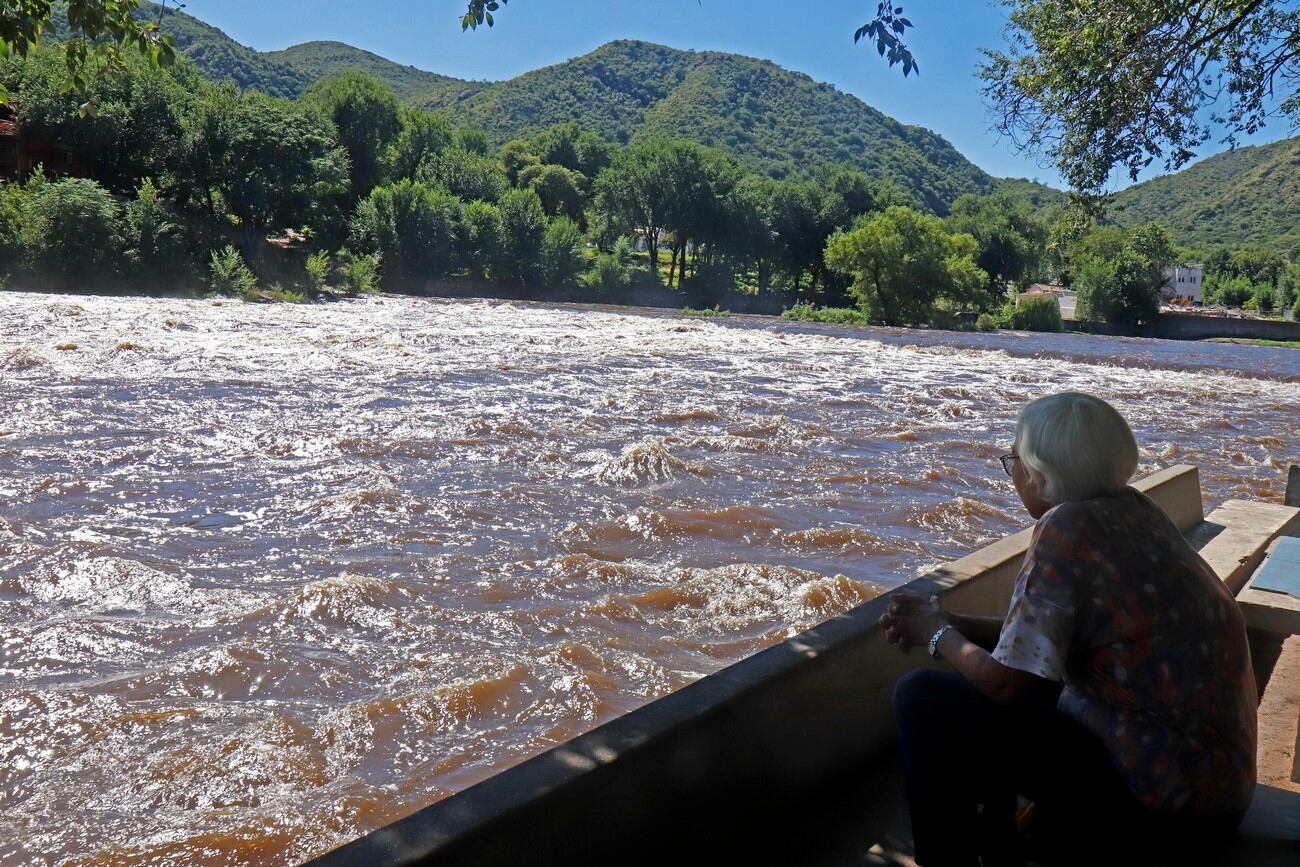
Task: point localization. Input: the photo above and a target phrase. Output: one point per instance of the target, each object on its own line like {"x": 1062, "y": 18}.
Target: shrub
{"x": 523, "y": 226}
{"x": 468, "y": 176}
{"x": 804, "y": 312}
{"x": 1288, "y": 286}
{"x": 707, "y": 284}
{"x": 715, "y": 312}
{"x": 156, "y": 247}
{"x": 1229, "y": 291}
{"x": 1037, "y": 314}
{"x": 413, "y": 227}
{"x": 72, "y": 231}
{"x": 10, "y": 228}
{"x": 479, "y": 238}
{"x": 563, "y": 253}
{"x": 986, "y": 322}
{"x": 1265, "y": 297}
{"x": 360, "y": 272}
{"x": 318, "y": 271}
{"x": 229, "y": 274}
{"x": 290, "y": 296}
{"x": 612, "y": 272}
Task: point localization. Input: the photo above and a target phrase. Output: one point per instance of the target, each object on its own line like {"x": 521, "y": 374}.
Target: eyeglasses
{"x": 1006, "y": 462}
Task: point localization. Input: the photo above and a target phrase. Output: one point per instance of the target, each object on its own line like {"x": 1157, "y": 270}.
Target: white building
{"x": 1066, "y": 299}
{"x": 1183, "y": 284}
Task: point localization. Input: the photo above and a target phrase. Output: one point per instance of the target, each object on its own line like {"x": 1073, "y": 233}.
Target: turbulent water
{"x": 272, "y": 576}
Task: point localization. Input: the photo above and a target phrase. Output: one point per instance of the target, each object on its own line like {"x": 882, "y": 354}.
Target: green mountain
{"x": 222, "y": 58}
{"x": 775, "y": 121}
{"x": 1249, "y": 195}
{"x": 317, "y": 60}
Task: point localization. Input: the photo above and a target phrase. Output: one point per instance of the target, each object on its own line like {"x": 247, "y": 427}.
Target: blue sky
{"x": 814, "y": 37}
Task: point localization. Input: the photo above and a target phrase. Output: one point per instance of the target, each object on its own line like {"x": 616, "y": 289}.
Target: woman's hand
{"x": 911, "y": 620}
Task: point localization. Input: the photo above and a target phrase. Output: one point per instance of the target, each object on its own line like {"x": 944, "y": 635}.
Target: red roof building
{"x": 21, "y": 153}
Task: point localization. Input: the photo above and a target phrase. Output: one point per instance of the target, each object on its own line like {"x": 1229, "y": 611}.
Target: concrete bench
{"x": 1267, "y": 610}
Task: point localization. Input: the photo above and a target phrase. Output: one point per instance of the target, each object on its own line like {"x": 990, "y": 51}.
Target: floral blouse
{"x": 1151, "y": 648}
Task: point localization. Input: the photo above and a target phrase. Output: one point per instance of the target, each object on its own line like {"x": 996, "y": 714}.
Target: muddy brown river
{"x": 272, "y": 576}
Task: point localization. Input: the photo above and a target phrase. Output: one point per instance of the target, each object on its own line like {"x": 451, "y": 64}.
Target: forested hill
{"x": 316, "y": 60}
{"x": 1250, "y": 195}
{"x": 779, "y": 122}
{"x": 215, "y": 53}
{"x": 776, "y": 121}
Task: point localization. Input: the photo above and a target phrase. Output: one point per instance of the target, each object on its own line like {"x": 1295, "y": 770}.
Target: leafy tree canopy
{"x": 1099, "y": 84}
{"x": 367, "y": 117}
{"x": 100, "y": 33}
{"x": 903, "y": 261}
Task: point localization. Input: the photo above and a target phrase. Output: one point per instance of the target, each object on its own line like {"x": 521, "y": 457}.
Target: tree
{"x": 523, "y": 225}
{"x": 413, "y": 227}
{"x": 473, "y": 140}
{"x": 267, "y": 162}
{"x": 155, "y": 242}
{"x": 1119, "y": 275}
{"x": 423, "y": 135}
{"x": 136, "y": 129}
{"x": 72, "y": 230}
{"x": 99, "y": 34}
{"x": 902, "y": 262}
{"x": 1097, "y": 84}
{"x": 517, "y": 155}
{"x": 563, "y": 255}
{"x": 1011, "y": 238}
{"x": 695, "y": 182}
{"x": 570, "y": 146}
{"x": 1288, "y": 286}
{"x": 468, "y": 175}
{"x": 480, "y": 238}
{"x": 367, "y": 118}
{"x": 751, "y": 241}
{"x": 631, "y": 197}
{"x": 560, "y": 189}
{"x": 1119, "y": 289}
{"x": 800, "y": 232}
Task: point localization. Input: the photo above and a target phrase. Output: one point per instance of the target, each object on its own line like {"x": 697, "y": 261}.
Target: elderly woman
{"x": 1118, "y": 695}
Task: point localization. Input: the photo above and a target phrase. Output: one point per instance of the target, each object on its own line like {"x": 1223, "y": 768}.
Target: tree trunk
{"x": 672, "y": 268}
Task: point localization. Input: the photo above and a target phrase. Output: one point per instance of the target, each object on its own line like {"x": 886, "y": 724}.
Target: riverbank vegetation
{"x": 173, "y": 183}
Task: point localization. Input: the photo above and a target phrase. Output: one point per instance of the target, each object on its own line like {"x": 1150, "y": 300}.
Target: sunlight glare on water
{"x": 272, "y": 575}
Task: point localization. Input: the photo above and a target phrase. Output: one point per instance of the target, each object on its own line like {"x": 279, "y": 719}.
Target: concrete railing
{"x": 728, "y": 754}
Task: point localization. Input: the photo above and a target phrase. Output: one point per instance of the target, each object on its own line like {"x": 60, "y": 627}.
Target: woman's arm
{"x": 911, "y": 620}
{"x": 983, "y": 630}
{"x": 1001, "y": 683}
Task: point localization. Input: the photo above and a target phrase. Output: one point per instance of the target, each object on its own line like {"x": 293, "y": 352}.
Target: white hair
{"x": 1076, "y": 446}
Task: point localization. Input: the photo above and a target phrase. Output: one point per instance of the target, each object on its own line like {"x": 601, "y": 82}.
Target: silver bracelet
{"x": 934, "y": 639}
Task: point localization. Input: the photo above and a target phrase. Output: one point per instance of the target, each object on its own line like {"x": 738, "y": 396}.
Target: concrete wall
{"x": 1192, "y": 326}
{"x": 733, "y": 754}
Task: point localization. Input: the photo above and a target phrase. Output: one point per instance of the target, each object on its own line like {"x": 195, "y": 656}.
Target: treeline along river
{"x": 273, "y": 575}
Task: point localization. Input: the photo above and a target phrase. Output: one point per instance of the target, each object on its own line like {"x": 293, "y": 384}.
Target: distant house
{"x": 1183, "y": 285}
{"x": 21, "y": 153}
{"x": 1066, "y": 299}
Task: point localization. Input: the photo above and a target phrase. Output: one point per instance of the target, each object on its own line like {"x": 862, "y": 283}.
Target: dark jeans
{"x": 966, "y": 758}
